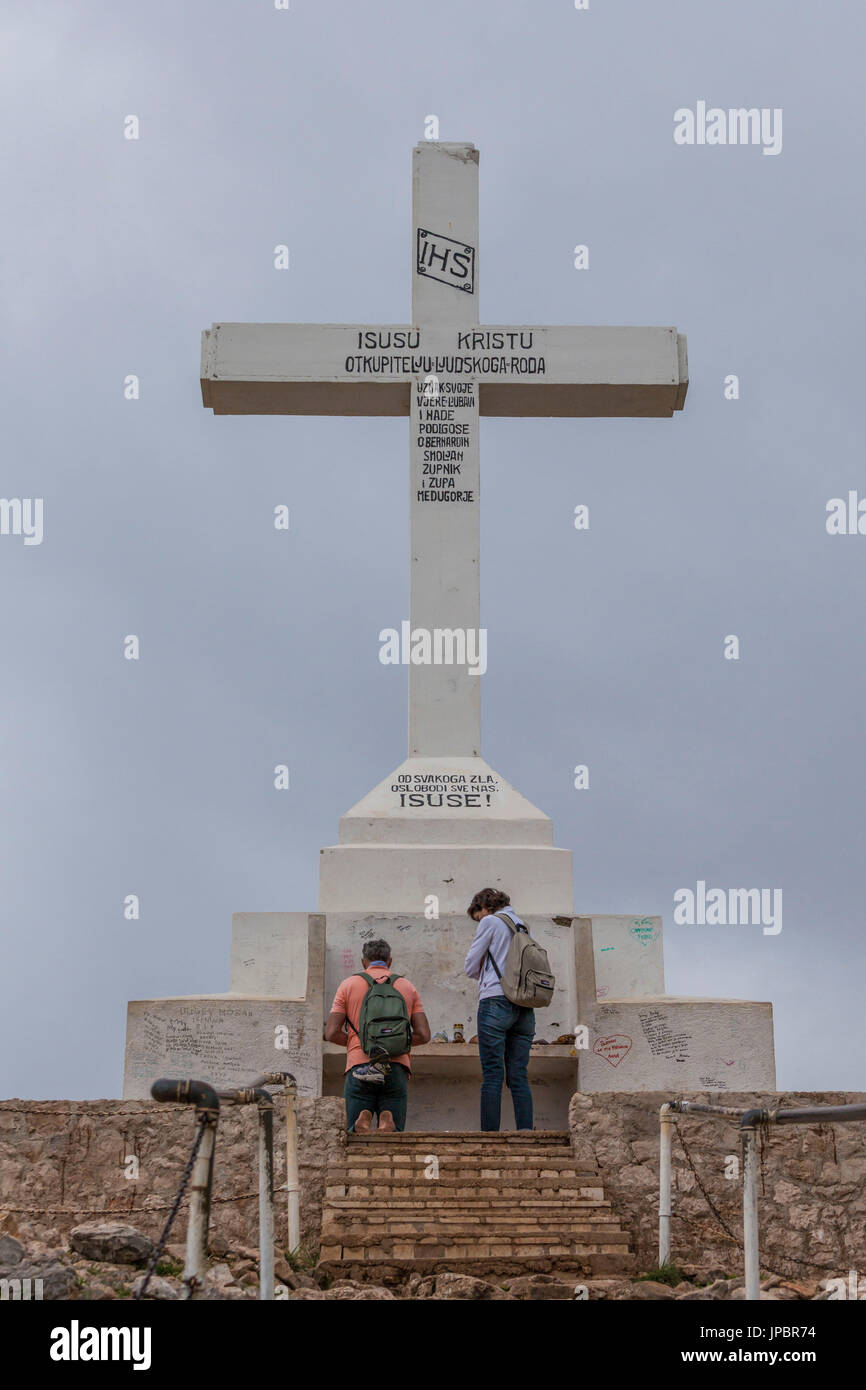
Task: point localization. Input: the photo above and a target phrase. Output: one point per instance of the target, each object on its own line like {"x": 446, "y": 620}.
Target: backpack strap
{"x": 495, "y": 966}
{"x": 508, "y": 922}
{"x": 359, "y": 975}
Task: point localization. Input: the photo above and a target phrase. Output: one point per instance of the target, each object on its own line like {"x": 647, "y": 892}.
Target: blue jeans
{"x": 505, "y": 1033}
{"x": 392, "y": 1095}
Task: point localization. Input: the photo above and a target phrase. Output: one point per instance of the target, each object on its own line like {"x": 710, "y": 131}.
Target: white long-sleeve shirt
{"x": 493, "y": 935}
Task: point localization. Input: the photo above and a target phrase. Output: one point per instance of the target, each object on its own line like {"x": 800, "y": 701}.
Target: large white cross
{"x": 443, "y": 371}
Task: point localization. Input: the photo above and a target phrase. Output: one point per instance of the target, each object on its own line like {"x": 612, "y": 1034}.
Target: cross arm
{"x": 359, "y": 369}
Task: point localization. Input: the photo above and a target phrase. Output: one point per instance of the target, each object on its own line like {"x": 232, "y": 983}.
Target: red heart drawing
{"x": 612, "y": 1048}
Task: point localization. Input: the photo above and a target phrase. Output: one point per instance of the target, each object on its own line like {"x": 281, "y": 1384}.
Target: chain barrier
{"x": 185, "y": 1176}
{"x": 765, "y": 1264}
{"x": 79, "y": 1114}
{"x": 118, "y": 1211}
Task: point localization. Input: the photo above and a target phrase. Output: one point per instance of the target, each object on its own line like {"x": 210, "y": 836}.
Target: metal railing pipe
{"x": 750, "y": 1212}
{"x": 266, "y": 1201}
{"x": 293, "y": 1186}
{"x": 666, "y": 1135}
{"x": 206, "y": 1101}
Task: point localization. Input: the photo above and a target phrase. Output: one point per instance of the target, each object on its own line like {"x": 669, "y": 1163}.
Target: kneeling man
{"x": 377, "y": 1080}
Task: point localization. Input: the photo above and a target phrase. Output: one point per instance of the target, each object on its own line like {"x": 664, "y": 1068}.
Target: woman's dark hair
{"x": 490, "y": 900}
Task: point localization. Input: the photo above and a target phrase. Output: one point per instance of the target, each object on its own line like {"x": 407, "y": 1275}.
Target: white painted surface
{"x": 445, "y": 800}
{"x": 229, "y": 1039}
{"x": 662, "y": 1043}
{"x": 399, "y": 878}
{"x": 269, "y": 954}
{"x": 629, "y": 958}
{"x": 432, "y": 953}
{"x": 224, "y": 1039}
{"x": 444, "y": 463}
{"x": 336, "y": 353}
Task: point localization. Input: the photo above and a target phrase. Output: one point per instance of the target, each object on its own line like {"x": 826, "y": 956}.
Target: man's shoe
{"x": 386, "y": 1123}
{"x": 363, "y": 1122}
{"x": 372, "y": 1075}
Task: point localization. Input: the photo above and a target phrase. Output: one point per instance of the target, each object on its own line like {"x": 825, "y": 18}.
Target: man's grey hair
{"x": 376, "y": 950}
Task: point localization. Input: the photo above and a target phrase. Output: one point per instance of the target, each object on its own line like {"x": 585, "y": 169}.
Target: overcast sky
{"x": 258, "y": 647}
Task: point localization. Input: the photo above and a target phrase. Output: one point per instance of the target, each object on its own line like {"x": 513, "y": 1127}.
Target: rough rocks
{"x": 465, "y": 1286}
{"x": 158, "y": 1288}
{"x": 540, "y": 1287}
{"x": 11, "y": 1250}
{"x": 112, "y": 1241}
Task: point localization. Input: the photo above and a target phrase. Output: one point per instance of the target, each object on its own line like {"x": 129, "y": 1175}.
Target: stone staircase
{"x": 502, "y": 1203}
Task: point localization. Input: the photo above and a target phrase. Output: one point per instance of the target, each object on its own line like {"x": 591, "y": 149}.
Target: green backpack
{"x": 384, "y": 1022}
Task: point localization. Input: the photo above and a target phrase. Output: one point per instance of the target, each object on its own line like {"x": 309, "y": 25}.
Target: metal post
{"x": 292, "y": 1182}
{"x": 666, "y": 1128}
{"x": 287, "y": 1080}
{"x": 201, "y": 1184}
{"x": 266, "y": 1201}
{"x": 750, "y": 1213}
{"x": 207, "y": 1109}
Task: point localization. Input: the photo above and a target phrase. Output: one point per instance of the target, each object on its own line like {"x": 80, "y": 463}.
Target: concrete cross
{"x": 443, "y": 371}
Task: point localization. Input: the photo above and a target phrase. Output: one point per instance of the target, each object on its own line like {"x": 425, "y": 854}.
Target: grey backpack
{"x": 527, "y": 979}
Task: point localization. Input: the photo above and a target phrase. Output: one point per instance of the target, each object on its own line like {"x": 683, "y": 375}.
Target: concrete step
{"x": 456, "y": 1245}
{"x": 495, "y": 1206}
{"x": 471, "y": 1229}
{"x": 352, "y": 1231}
{"x": 436, "y": 1211}
{"x": 458, "y": 1167}
{"x": 496, "y": 1153}
{"x": 485, "y": 1267}
{"x": 443, "y": 1143}
{"x": 512, "y": 1190}
{"x": 464, "y": 1177}
{"x": 536, "y": 1137}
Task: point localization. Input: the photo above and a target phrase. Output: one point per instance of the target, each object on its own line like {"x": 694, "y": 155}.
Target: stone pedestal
{"x": 661, "y": 1043}
{"x": 270, "y": 1020}
{"x": 285, "y": 968}
{"x": 439, "y": 829}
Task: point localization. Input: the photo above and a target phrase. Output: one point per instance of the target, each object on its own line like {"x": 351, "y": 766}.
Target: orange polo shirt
{"x": 349, "y": 998}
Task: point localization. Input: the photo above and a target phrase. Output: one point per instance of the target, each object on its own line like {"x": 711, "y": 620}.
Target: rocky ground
{"x": 105, "y": 1260}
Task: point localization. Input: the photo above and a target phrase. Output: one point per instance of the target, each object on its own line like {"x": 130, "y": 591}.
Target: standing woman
{"x": 505, "y": 1030}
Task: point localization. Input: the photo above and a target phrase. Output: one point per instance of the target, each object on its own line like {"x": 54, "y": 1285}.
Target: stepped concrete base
{"x": 662, "y": 1043}
{"x": 271, "y": 1019}
{"x": 407, "y": 877}
{"x": 436, "y": 830}
{"x": 283, "y": 979}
